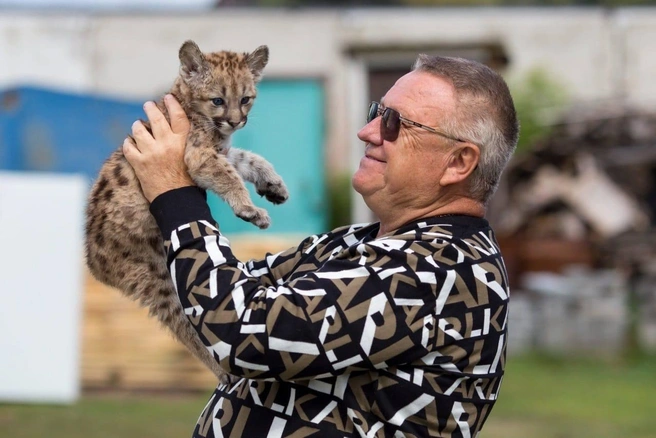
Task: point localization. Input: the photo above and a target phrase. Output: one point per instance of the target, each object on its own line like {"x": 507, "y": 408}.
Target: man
{"x": 390, "y": 329}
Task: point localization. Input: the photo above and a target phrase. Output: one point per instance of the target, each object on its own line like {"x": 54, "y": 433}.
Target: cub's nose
{"x": 233, "y": 124}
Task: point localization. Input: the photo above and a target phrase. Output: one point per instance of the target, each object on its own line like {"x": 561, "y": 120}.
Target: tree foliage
{"x": 539, "y": 98}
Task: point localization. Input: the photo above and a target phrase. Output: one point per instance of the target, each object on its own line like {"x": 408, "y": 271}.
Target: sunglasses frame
{"x": 391, "y": 134}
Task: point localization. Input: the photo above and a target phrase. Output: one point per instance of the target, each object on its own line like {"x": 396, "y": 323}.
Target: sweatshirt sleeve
{"x": 189, "y": 204}
{"x": 180, "y": 206}
{"x": 333, "y": 317}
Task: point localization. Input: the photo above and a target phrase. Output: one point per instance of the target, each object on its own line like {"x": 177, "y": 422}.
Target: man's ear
{"x": 193, "y": 65}
{"x": 463, "y": 161}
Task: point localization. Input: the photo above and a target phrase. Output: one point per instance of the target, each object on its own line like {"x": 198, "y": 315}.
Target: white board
{"x": 41, "y": 286}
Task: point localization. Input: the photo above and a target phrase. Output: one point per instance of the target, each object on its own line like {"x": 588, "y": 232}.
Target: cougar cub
{"x": 124, "y": 248}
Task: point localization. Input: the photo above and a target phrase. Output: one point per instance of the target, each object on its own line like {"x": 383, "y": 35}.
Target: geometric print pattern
{"x": 348, "y": 334}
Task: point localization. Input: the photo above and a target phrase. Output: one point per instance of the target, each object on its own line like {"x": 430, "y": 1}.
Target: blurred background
{"x": 574, "y": 214}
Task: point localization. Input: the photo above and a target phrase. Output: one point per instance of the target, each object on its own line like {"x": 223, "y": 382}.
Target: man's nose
{"x": 370, "y": 133}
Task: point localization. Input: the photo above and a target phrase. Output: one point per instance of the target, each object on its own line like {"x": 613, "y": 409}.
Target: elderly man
{"x": 389, "y": 329}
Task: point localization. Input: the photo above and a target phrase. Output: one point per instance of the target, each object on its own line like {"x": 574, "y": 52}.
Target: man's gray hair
{"x": 485, "y": 115}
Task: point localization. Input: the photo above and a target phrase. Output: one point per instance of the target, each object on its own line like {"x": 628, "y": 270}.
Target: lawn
{"x": 557, "y": 398}
{"x": 540, "y": 398}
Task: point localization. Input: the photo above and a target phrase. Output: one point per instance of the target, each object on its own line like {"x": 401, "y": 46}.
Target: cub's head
{"x": 222, "y": 84}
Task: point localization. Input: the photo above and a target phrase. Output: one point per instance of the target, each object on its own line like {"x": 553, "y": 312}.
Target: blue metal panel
{"x": 46, "y": 130}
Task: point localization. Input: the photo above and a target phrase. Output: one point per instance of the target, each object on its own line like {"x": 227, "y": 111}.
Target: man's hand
{"x": 158, "y": 159}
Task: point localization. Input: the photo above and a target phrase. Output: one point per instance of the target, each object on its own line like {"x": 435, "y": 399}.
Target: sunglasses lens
{"x": 391, "y": 124}
{"x": 373, "y": 111}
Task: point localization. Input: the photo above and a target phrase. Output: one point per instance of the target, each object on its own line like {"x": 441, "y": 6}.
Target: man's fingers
{"x": 141, "y": 135}
{"x": 130, "y": 151}
{"x": 158, "y": 122}
{"x": 179, "y": 119}
{"x": 129, "y": 139}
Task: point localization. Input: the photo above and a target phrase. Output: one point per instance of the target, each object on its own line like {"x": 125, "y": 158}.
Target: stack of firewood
{"x": 592, "y": 177}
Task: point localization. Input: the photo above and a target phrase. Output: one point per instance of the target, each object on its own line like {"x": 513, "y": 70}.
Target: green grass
{"x": 559, "y": 398}
{"x": 105, "y": 417}
{"x": 540, "y": 398}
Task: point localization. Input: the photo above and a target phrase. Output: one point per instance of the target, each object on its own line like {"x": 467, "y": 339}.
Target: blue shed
{"x": 55, "y": 131}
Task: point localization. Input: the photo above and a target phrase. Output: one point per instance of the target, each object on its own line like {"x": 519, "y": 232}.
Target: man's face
{"x": 405, "y": 173}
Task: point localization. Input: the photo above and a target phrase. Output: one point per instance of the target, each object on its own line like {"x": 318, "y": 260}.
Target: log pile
{"x": 594, "y": 176}
{"x": 591, "y": 180}
{"x": 582, "y": 205}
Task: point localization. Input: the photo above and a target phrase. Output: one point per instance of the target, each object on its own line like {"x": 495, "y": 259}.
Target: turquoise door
{"x": 285, "y": 126}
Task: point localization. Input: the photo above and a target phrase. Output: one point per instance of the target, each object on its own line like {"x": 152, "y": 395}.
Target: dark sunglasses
{"x": 391, "y": 123}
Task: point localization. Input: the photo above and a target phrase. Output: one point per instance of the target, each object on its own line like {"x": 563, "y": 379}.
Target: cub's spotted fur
{"x": 124, "y": 247}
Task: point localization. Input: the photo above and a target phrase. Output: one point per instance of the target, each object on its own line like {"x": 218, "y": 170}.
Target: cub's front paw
{"x": 275, "y": 191}
{"x": 254, "y": 215}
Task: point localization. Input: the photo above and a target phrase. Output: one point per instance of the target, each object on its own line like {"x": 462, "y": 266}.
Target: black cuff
{"x": 178, "y": 207}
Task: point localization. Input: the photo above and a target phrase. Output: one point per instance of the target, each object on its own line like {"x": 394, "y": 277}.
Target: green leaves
{"x": 539, "y": 99}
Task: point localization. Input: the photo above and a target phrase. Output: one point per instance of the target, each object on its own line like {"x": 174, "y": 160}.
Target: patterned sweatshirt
{"x": 348, "y": 334}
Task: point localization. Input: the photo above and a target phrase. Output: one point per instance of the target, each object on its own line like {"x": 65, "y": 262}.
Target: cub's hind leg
{"x": 149, "y": 281}
{"x": 125, "y": 250}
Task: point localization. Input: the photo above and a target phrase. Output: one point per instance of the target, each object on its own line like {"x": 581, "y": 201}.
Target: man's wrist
{"x": 180, "y": 206}
{"x": 153, "y": 192}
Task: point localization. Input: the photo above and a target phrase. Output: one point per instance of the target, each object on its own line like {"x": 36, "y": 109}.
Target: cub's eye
{"x": 217, "y": 101}
{"x": 245, "y": 100}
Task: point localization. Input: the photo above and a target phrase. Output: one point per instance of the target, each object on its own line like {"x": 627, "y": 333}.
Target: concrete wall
{"x": 41, "y": 286}
{"x": 595, "y": 53}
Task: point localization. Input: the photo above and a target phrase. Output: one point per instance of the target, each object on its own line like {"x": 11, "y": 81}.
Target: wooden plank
{"x": 123, "y": 348}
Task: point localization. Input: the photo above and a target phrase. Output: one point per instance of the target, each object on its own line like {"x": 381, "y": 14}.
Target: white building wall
{"x": 571, "y": 44}
{"x": 636, "y": 50}
{"x": 138, "y": 55}
{"x": 596, "y": 54}
{"x": 51, "y": 51}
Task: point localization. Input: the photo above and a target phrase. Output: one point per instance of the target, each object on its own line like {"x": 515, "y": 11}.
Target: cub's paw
{"x": 254, "y": 215}
{"x": 275, "y": 191}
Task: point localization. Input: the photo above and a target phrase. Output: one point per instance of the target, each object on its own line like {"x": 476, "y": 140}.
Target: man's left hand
{"x": 158, "y": 159}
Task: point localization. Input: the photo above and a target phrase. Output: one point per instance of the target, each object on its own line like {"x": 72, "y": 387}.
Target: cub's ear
{"x": 257, "y": 60}
{"x": 193, "y": 65}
